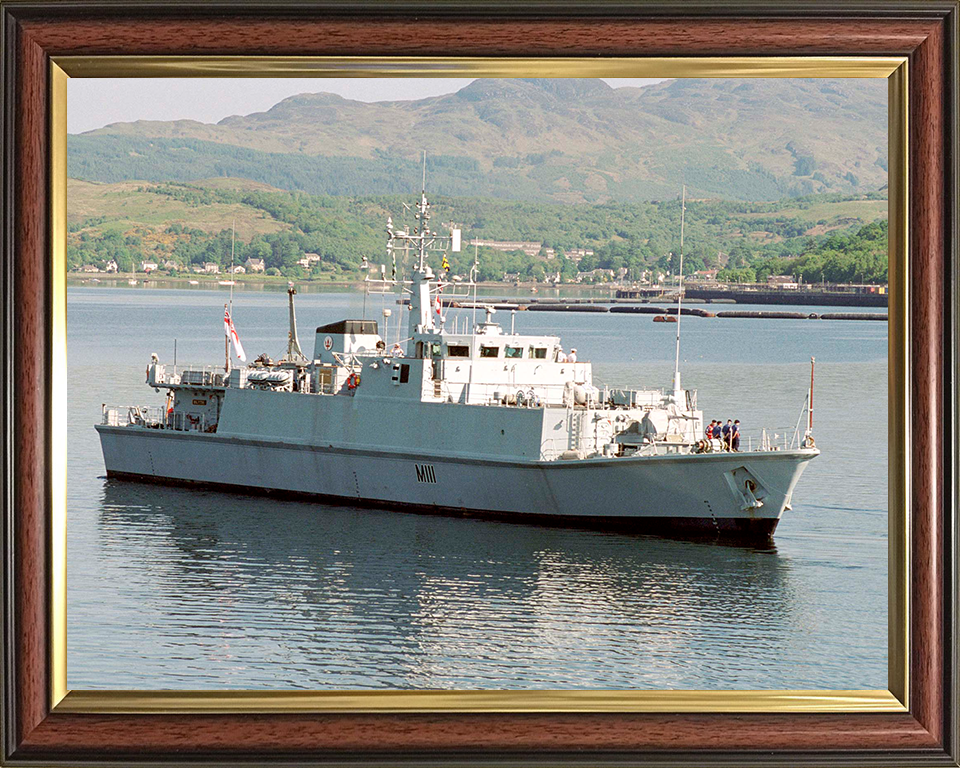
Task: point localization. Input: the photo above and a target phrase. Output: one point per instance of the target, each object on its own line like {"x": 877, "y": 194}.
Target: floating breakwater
{"x": 585, "y": 305}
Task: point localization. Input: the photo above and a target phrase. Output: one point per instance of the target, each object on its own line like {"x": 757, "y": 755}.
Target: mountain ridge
{"x": 563, "y": 140}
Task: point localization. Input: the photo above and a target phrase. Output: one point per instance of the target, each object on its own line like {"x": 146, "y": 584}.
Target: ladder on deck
{"x": 575, "y": 429}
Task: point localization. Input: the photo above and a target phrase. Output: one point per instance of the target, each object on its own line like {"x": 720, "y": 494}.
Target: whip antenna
{"x": 233, "y": 240}
{"x": 676, "y": 370}
{"x": 229, "y": 309}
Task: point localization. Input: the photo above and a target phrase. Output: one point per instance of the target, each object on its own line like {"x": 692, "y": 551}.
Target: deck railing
{"x": 153, "y": 417}
{"x": 200, "y": 375}
{"x": 765, "y": 440}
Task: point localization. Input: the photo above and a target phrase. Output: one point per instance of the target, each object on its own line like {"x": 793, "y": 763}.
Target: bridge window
{"x": 513, "y": 351}
{"x": 458, "y": 350}
{"x": 489, "y": 351}
{"x": 538, "y": 353}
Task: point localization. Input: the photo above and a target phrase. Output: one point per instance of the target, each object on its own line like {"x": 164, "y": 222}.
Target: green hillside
{"x": 188, "y": 224}
{"x": 129, "y": 205}
{"x": 547, "y": 140}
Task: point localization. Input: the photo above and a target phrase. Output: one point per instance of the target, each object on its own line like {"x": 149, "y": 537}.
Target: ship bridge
{"x": 491, "y": 367}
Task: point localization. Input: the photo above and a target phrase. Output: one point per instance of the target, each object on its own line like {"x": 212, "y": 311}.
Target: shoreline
{"x": 121, "y": 280}
{"x": 504, "y": 296}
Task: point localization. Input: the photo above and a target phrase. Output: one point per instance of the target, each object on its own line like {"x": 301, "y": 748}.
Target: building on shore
{"x": 596, "y": 275}
{"x": 786, "y": 282}
{"x": 704, "y": 276}
{"x": 508, "y": 246}
{"x": 577, "y": 254}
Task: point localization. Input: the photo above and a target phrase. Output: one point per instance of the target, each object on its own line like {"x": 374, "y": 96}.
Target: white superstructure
{"x": 477, "y": 422}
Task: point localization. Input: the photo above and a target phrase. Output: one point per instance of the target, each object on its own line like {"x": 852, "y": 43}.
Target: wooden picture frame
{"x": 42, "y": 727}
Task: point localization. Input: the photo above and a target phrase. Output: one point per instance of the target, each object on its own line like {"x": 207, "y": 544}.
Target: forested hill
{"x": 547, "y": 140}
{"x": 179, "y": 226}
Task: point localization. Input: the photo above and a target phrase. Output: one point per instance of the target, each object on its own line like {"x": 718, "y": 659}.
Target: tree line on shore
{"x": 746, "y": 242}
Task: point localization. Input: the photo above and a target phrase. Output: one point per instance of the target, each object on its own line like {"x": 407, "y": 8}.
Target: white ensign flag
{"x": 231, "y": 333}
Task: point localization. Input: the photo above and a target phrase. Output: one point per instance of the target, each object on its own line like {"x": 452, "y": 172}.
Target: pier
{"x": 835, "y": 295}
{"x": 589, "y": 306}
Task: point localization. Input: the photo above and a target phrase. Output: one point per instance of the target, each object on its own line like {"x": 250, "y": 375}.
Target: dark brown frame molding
{"x": 924, "y": 31}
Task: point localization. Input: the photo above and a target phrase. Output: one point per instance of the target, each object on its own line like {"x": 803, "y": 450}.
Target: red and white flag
{"x": 437, "y": 306}
{"x": 231, "y": 333}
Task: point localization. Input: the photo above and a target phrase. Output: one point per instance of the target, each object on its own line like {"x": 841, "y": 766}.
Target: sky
{"x": 96, "y": 102}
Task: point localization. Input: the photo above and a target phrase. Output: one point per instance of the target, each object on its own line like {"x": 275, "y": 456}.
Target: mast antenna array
{"x": 422, "y": 241}
{"x": 425, "y": 286}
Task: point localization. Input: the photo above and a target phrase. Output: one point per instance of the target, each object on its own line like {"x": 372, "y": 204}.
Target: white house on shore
{"x": 255, "y": 265}
{"x": 577, "y": 254}
{"x": 786, "y": 282}
{"x": 596, "y": 275}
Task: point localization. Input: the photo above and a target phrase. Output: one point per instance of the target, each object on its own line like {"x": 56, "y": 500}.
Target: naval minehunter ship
{"x": 483, "y": 423}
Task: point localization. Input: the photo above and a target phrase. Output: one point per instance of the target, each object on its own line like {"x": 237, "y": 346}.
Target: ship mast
{"x": 423, "y": 216}
{"x": 422, "y": 240}
{"x": 676, "y": 371}
{"x": 226, "y": 341}
{"x": 294, "y": 353}
{"x": 422, "y": 315}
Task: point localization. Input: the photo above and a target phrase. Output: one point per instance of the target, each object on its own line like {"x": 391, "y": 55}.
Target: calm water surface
{"x": 171, "y": 588}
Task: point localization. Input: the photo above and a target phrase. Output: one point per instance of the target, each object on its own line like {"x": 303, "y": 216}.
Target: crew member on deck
{"x": 708, "y": 432}
{"x": 735, "y": 435}
{"x": 726, "y": 434}
{"x": 572, "y": 357}
{"x": 561, "y": 357}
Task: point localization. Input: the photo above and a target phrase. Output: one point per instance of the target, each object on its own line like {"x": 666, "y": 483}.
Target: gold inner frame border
{"x": 895, "y": 699}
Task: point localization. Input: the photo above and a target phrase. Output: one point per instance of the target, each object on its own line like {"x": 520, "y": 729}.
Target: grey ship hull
{"x": 683, "y": 495}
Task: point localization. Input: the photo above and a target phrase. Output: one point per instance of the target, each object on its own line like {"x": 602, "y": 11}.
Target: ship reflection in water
{"x": 232, "y": 591}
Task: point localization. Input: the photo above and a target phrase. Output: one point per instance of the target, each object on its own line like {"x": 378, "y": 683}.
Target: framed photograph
{"x": 357, "y": 717}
